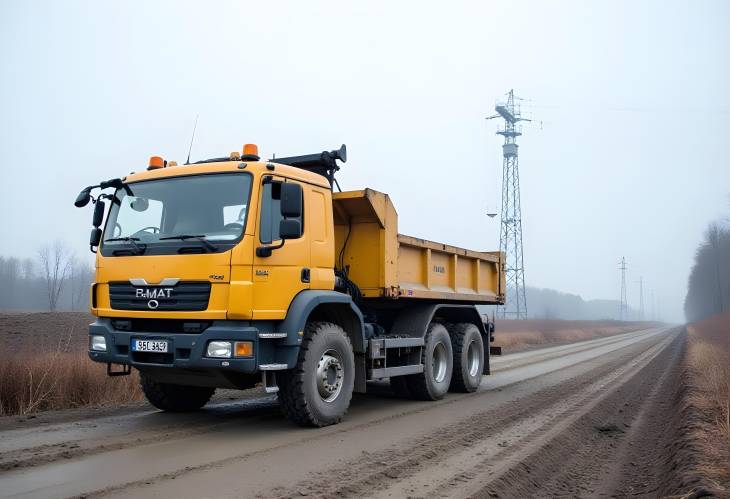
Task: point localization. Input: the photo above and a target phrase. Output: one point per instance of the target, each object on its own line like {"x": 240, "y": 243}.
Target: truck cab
{"x": 234, "y": 271}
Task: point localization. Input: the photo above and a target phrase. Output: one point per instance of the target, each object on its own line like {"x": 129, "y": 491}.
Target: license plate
{"x": 159, "y": 346}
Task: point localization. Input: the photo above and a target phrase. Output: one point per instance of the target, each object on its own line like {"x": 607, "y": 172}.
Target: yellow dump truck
{"x": 235, "y": 271}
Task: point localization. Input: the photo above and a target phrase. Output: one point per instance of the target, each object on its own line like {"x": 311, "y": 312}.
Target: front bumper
{"x": 187, "y": 350}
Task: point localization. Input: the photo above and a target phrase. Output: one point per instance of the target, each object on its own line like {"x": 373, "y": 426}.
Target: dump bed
{"x": 385, "y": 264}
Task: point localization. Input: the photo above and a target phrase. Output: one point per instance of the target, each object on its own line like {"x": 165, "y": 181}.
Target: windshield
{"x": 208, "y": 207}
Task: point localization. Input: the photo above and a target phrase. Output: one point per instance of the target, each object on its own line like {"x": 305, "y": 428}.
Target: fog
{"x": 626, "y": 155}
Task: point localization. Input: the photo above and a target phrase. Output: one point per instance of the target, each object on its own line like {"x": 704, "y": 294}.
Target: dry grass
{"x": 712, "y": 371}
{"x": 58, "y": 379}
{"x": 708, "y": 362}
{"x": 709, "y": 359}
{"x": 513, "y": 335}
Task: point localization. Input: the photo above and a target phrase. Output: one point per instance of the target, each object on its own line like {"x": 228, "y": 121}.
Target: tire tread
{"x": 291, "y": 383}
{"x": 458, "y": 334}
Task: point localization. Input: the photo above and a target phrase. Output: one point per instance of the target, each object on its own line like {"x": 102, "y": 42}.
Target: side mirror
{"x": 83, "y": 198}
{"x": 291, "y": 200}
{"x": 290, "y": 228}
{"x": 98, "y": 213}
{"x": 95, "y": 237}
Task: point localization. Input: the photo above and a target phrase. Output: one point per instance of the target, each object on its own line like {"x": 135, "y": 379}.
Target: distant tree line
{"x": 552, "y": 304}
{"x": 54, "y": 280}
{"x": 543, "y": 303}
{"x": 708, "y": 292}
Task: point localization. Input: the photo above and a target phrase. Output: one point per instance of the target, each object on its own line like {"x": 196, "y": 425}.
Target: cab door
{"x": 278, "y": 278}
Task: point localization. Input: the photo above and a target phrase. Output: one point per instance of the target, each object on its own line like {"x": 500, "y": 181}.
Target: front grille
{"x": 191, "y": 296}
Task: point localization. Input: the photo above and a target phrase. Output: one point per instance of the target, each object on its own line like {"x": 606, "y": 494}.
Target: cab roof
{"x": 227, "y": 166}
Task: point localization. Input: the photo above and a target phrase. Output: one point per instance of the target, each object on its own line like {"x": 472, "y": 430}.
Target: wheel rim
{"x": 330, "y": 375}
{"x": 472, "y": 356}
{"x": 439, "y": 362}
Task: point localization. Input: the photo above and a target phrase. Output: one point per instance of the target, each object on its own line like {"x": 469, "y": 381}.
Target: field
{"x": 45, "y": 367}
{"x": 512, "y": 335}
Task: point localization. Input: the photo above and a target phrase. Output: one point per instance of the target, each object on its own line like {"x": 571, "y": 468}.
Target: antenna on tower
{"x": 510, "y": 235}
{"x": 623, "y": 310}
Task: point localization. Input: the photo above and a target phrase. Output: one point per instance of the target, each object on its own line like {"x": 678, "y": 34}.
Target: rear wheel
{"x": 437, "y": 359}
{"x": 468, "y": 347}
{"x": 174, "y": 398}
{"x": 317, "y": 392}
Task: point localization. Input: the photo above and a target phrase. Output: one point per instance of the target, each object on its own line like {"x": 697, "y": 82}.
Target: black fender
{"x": 413, "y": 321}
{"x": 301, "y": 308}
{"x": 323, "y": 305}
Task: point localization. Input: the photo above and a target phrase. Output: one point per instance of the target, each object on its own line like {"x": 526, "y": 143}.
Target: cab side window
{"x": 271, "y": 212}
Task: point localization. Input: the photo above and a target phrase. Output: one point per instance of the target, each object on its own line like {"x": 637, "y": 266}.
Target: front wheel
{"x": 317, "y": 392}
{"x": 174, "y": 398}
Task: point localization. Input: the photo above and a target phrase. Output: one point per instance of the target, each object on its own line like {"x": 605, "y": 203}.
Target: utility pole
{"x": 652, "y": 304}
{"x": 623, "y": 311}
{"x": 641, "y": 297}
{"x": 510, "y": 235}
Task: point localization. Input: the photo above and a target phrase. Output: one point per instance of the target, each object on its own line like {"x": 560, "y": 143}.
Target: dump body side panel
{"x": 440, "y": 272}
{"x": 385, "y": 264}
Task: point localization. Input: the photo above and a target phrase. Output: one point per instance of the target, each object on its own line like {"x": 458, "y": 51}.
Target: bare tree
{"x": 9, "y": 276}
{"x": 80, "y": 280}
{"x": 28, "y": 269}
{"x": 55, "y": 264}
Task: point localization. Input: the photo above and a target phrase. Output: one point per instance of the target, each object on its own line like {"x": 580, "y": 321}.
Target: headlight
{"x": 97, "y": 343}
{"x": 219, "y": 349}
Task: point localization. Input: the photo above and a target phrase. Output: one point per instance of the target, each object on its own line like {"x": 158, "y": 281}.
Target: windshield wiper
{"x": 131, "y": 240}
{"x": 200, "y": 238}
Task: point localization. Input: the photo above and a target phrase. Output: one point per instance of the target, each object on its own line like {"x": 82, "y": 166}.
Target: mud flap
{"x": 268, "y": 380}
{"x": 495, "y": 350}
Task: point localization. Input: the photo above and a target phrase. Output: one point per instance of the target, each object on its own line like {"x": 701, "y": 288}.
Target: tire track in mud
{"x": 579, "y": 457}
{"x": 553, "y": 352}
{"x": 431, "y": 465}
{"x": 73, "y": 448}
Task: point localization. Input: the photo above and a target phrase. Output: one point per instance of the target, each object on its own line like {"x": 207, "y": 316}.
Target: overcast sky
{"x": 630, "y": 158}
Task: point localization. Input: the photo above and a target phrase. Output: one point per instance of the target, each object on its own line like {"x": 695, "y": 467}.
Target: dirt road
{"x": 587, "y": 419}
